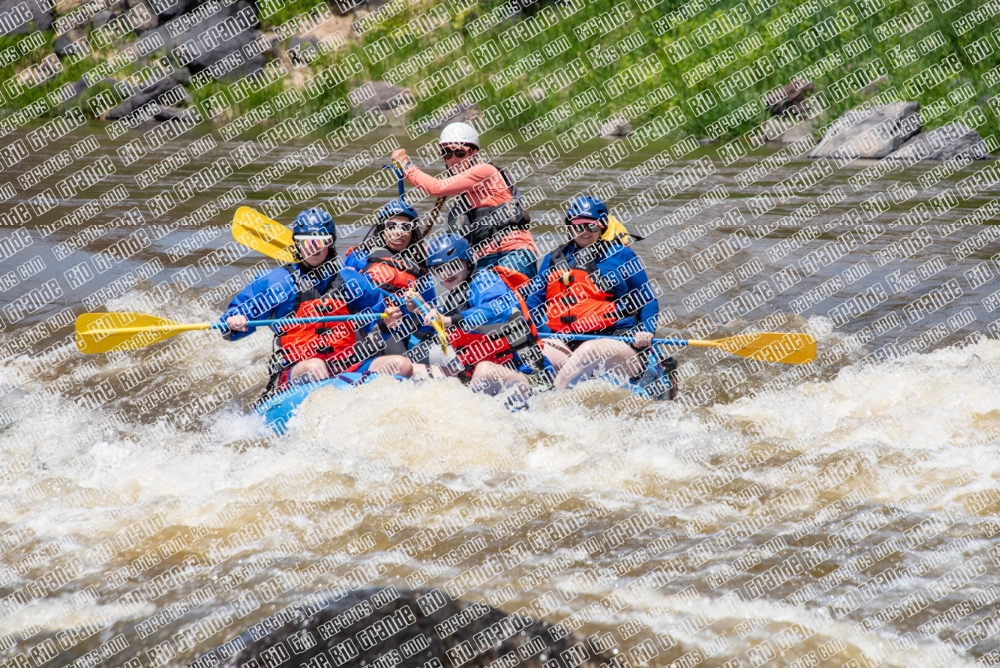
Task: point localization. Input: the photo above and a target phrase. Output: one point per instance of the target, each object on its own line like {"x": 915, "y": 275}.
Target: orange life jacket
{"x": 392, "y": 272}
{"x": 498, "y": 342}
{"x": 329, "y": 341}
{"x": 574, "y": 303}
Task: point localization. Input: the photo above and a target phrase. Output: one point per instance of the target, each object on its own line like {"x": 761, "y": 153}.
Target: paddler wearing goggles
{"x": 393, "y": 257}
{"x": 314, "y": 286}
{"x": 494, "y": 345}
{"x": 584, "y": 291}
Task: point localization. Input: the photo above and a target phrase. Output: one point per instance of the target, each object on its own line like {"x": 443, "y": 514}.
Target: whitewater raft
{"x": 281, "y": 408}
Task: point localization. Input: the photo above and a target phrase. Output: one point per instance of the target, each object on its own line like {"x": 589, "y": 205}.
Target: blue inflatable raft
{"x": 280, "y": 408}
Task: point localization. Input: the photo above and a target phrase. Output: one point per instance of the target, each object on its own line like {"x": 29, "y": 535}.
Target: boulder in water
{"x": 616, "y": 127}
{"x": 944, "y": 143}
{"x": 380, "y": 95}
{"x": 387, "y": 627}
{"x": 792, "y": 94}
{"x": 141, "y": 97}
{"x": 871, "y": 133}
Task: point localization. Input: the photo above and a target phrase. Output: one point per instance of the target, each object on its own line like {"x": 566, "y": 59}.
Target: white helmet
{"x": 459, "y": 133}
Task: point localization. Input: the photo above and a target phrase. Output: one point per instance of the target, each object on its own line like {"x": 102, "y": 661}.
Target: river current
{"x": 776, "y": 515}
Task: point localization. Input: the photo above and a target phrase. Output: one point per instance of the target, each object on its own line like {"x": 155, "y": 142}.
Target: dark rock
{"x": 181, "y": 75}
{"x": 790, "y": 95}
{"x": 943, "y": 143}
{"x": 101, "y": 18}
{"x": 530, "y": 7}
{"x": 168, "y": 113}
{"x": 347, "y": 7}
{"x": 63, "y": 44}
{"x": 380, "y": 95}
{"x": 78, "y": 87}
{"x": 341, "y": 631}
{"x": 168, "y": 9}
{"x": 140, "y": 98}
{"x": 153, "y": 20}
{"x": 39, "y": 20}
{"x": 197, "y": 56}
{"x": 872, "y": 133}
{"x": 616, "y": 127}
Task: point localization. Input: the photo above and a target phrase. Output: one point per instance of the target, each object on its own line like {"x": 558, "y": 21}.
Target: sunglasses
{"x": 310, "y": 245}
{"x": 585, "y": 227}
{"x": 400, "y": 225}
{"x": 459, "y": 153}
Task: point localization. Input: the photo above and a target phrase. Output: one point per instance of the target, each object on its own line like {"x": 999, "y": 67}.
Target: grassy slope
{"x": 641, "y": 26}
{"x": 672, "y": 74}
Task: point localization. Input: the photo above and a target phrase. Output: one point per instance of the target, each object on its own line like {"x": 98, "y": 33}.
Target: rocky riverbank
{"x": 532, "y": 67}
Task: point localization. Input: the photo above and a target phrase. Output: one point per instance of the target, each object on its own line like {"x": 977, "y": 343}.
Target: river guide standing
{"x": 489, "y": 213}
{"x": 314, "y": 287}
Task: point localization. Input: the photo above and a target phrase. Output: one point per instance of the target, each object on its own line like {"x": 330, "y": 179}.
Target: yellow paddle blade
{"x": 782, "y": 347}
{"x": 122, "y": 330}
{"x": 442, "y": 335}
{"x": 258, "y": 232}
{"x": 616, "y": 232}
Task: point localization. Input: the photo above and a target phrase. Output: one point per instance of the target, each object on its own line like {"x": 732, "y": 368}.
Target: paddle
{"x": 616, "y": 231}
{"x": 781, "y": 347}
{"x": 258, "y": 232}
{"x": 122, "y": 330}
{"x": 399, "y": 178}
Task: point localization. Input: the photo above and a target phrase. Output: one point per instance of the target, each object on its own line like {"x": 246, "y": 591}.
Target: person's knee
{"x": 485, "y": 372}
{"x": 311, "y": 370}
{"x": 396, "y": 365}
{"x": 405, "y": 367}
{"x": 591, "y": 352}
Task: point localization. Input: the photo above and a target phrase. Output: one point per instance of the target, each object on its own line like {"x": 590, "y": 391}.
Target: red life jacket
{"x": 392, "y": 272}
{"x": 574, "y": 303}
{"x": 497, "y": 343}
{"x": 329, "y": 341}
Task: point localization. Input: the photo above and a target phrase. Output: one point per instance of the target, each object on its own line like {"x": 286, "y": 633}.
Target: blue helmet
{"x": 396, "y": 207}
{"x": 314, "y": 223}
{"x": 587, "y": 207}
{"x": 448, "y": 247}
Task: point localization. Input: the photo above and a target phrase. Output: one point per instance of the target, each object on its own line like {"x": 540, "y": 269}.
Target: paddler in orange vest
{"x": 315, "y": 286}
{"x": 495, "y": 345}
{"x": 593, "y": 286}
{"x": 489, "y": 213}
